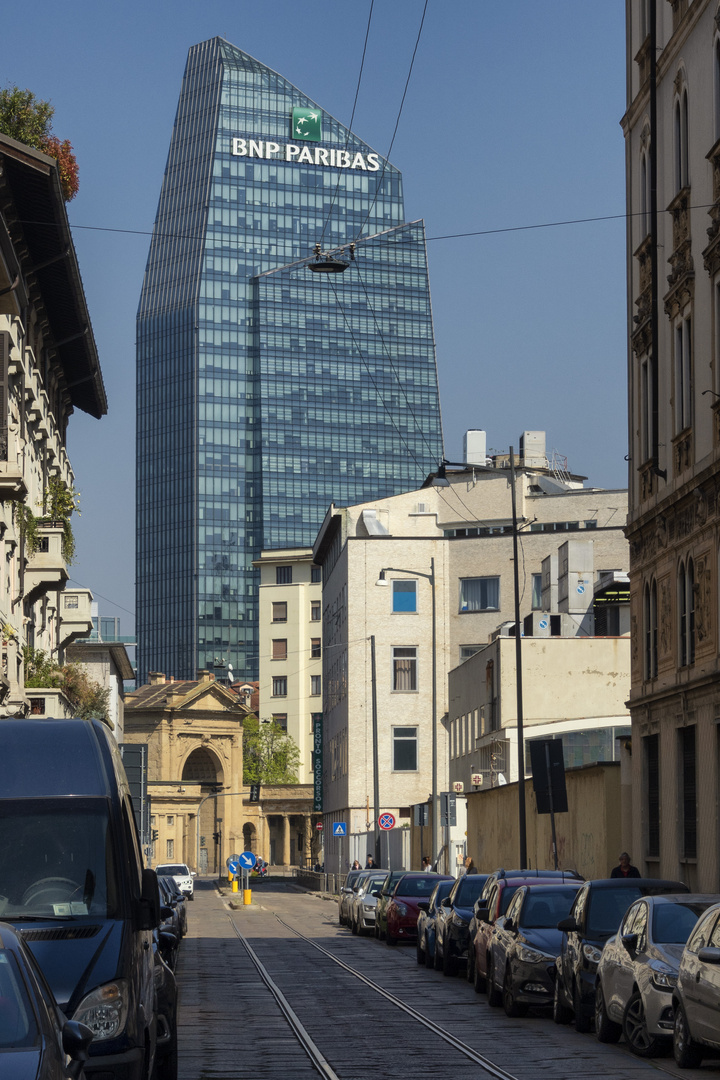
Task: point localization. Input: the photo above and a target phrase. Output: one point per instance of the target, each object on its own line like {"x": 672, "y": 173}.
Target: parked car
{"x": 402, "y": 910}
{"x": 37, "y": 1042}
{"x": 594, "y": 917}
{"x": 79, "y": 894}
{"x": 638, "y": 971}
{"x": 696, "y": 997}
{"x": 364, "y": 902}
{"x": 171, "y": 895}
{"x": 166, "y": 1048}
{"x": 425, "y": 941}
{"x": 346, "y": 892}
{"x": 452, "y": 926}
{"x": 524, "y": 944}
{"x": 384, "y": 899}
{"x": 497, "y": 894}
{"x": 183, "y": 877}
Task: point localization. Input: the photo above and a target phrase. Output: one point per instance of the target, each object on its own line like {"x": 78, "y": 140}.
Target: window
{"x": 315, "y": 685}
{"x": 681, "y": 142}
{"x": 279, "y": 686}
{"x": 279, "y": 649}
{"x": 283, "y": 575}
{"x": 72, "y": 600}
{"x": 466, "y": 651}
{"x": 404, "y": 595}
{"x": 650, "y": 630}
{"x": 171, "y": 819}
{"x": 716, "y": 88}
{"x": 652, "y": 788}
{"x": 537, "y": 592}
{"x": 315, "y": 574}
{"x": 683, "y": 375}
{"x": 170, "y": 849}
{"x": 405, "y": 669}
{"x": 315, "y": 611}
{"x": 280, "y": 718}
{"x": 405, "y": 749}
{"x": 647, "y": 410}
{"x": 315, "y": 647}
{"x": 686, "y": 613}
{"x": 279, "y": 612}
{"x": 644, "y": 193}
{"x": 688, "y": 790}
{"x": 480, "y": 594}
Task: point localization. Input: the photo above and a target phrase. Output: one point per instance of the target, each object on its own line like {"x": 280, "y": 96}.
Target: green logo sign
{"x": 307, "y": 125}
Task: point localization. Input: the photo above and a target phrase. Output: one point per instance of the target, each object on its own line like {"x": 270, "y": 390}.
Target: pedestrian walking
{"x": 426, "y": 864}
{"x": 624, "y": 868}
{"x": 356, "y": 866}
{"x": 370, "y": 864}
{"x": 470, "y": 867}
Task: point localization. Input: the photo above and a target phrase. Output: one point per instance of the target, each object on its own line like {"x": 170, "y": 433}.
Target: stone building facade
{"x": 672, "y": 139}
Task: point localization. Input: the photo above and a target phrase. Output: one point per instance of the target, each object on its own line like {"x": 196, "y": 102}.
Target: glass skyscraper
{"x": 266, "y": 391}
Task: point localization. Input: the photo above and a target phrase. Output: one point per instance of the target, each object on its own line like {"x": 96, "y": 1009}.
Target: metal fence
{"x": 318, "y": 882}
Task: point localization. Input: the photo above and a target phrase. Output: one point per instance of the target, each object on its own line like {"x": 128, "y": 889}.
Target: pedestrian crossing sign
{"x": 340, "y": 828}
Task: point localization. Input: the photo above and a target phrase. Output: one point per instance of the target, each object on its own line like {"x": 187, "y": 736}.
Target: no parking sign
{"x": 386, "y": 821}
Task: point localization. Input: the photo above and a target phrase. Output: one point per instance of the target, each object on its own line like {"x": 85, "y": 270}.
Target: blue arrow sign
{"x": 340, "y": 828}
{"x": 233, "y": 865}
{"x": 247, "y": 860}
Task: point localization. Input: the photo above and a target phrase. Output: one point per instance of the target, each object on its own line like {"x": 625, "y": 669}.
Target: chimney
{"x": 205, "y": 676}
{"x": 156, "y": 678}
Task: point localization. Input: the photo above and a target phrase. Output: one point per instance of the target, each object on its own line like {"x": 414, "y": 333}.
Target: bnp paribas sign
{"x": 306, "y": 127}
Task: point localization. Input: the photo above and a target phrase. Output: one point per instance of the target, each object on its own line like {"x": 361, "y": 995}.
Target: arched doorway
{"x": 250, "y": 838}
{"x": 203, "y": 768}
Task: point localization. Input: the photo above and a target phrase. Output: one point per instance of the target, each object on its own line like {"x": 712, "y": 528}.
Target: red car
{"x": 404, "y": 907}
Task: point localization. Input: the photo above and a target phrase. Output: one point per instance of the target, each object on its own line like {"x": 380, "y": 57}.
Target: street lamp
{"x": 435, "y": 800}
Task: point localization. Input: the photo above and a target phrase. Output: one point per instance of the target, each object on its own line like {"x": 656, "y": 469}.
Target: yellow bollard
{"x": 247, "y": 896}
{"x": 234, "y": 885}
{"x": 230, "y": 876}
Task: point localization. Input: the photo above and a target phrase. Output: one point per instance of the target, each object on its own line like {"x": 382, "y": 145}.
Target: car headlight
{"x": 531, "y": 956}
{"x": 592, "y": 954}
{"x": 105, "y": 1010}
{"x": 664, "y": 980}
{"x": 401, "y": 908}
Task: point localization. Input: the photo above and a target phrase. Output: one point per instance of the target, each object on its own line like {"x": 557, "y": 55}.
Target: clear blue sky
{"x": 511, "y": 120}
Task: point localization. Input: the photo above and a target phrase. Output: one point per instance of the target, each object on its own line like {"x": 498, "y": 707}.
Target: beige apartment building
{"x": 290, "y": 662}
{"x": 444, "y": 555}
{"x": 48, "y": 368}
{"x": 672, "y": 142}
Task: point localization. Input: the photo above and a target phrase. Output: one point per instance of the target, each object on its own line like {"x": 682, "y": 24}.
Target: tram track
{"x": 310, "y": 1046}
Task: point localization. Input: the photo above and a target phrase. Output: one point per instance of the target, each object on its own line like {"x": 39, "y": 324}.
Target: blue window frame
{"x": 404, "y": 595}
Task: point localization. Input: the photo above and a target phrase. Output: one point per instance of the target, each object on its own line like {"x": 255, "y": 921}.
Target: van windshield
{"x": 56, "y": 859}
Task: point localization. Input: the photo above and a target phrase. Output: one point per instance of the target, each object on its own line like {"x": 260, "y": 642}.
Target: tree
{"x": 89, "y": 700}
{"x": 29, "y": 120}
{"x": 270, "y": 755}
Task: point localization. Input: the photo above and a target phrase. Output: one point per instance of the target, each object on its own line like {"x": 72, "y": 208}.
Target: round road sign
{"x": 386, "y": 821}
{"x": 319, "y": 826}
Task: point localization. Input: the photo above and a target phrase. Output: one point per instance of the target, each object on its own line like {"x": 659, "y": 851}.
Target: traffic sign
{"x": 319, "y": 826}
{"x": 339, "y": 828}
{"x": 233, "y": 866}
{"x": 247, "y": 860}
{"x": 386, "y": 821}
{"x": 231, "y": 858}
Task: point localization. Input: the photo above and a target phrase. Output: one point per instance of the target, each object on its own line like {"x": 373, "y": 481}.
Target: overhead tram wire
{"x": 352, "y": 117}
{"x": 397, "y": 124}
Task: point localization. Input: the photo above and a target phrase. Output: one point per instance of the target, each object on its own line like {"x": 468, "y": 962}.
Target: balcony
{"x": 75, "y": 615}
{"x": 12, "y": 481}
{"x": 46, "y": 570}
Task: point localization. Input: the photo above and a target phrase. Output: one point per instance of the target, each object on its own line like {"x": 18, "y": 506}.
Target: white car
{"x": 181, "y": 873}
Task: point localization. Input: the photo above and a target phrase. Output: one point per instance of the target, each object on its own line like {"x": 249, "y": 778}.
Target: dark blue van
{"x": 72, "y": 881}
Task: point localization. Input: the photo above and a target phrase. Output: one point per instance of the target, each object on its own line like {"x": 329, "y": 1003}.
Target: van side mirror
{"x": 148, "y": 916}
{"x": 76, "y": 1039}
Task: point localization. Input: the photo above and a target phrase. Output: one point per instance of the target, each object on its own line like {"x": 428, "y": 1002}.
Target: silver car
{"x": 346, "y": 894}
{"x": 364, "y": 901}
{"x": 696, "y": 998}
{"x": 638, "y": 970}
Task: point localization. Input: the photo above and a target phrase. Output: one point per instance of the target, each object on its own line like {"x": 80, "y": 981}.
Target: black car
{"x": 524, "y": 946}
{"x": 594, "y": 917}
{"x": 452, "y": 928}
{"x": 36, "y": 1040}
{"x": 425, "y": 944}
{"x": 166, "y": 995}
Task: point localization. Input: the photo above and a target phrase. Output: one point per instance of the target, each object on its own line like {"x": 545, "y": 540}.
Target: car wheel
{"x": 478, "y": 981}
{"x": 470, "y": 966}
{"x": 419, "y": 951}
{"x": 437, "y": 958}
{"x": 511, "y": 1006}
{"x": 354, "y": 926}
{"x": 561, "y": 1013}
{"x": 635, "y": 1029}
{"x": 429, "y": 957}
{"x": 494, "y": 997}
{"x": 687, "y": 1053}
{"x": 448, "y": 963}
{"x": 340, "y": 918}
{"x": 606, "y": 1030}
{"x": 166, "y": 1061}
{"x": 582, "y": 1020}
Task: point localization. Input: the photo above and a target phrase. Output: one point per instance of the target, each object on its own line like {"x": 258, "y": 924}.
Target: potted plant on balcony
{"x": 59, "y": 503}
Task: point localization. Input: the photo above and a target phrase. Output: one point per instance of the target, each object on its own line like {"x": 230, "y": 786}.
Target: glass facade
{"x": 265, "y": 391}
